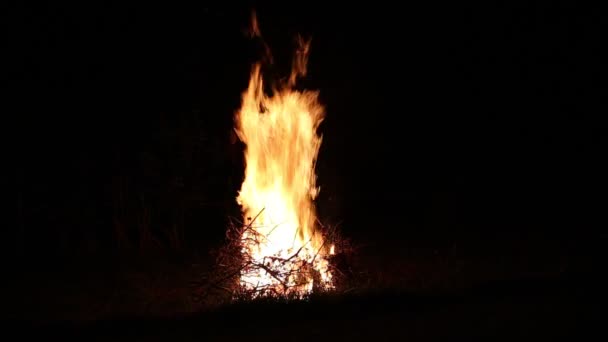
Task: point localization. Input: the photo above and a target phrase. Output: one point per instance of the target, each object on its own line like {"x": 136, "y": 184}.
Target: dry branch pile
{"x": 232, "y": 263}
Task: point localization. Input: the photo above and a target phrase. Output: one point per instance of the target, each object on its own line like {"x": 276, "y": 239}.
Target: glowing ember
{"x": 284, "y": 252}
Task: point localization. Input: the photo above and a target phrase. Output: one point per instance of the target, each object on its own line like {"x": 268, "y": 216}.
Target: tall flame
{"x": 285, "y": 253}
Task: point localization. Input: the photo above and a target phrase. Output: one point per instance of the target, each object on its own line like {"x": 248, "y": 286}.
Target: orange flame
{"x": 276, "y": 197}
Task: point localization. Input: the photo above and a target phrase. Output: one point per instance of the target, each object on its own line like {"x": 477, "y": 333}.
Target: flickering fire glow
{"x": 284, "y": 250}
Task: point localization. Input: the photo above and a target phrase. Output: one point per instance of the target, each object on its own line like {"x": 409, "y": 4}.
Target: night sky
{"x": 442, "y": 122}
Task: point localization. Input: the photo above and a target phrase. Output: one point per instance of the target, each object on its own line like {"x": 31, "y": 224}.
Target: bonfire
{"x": 282, "y": 246}
{"x": 278, "y": 248}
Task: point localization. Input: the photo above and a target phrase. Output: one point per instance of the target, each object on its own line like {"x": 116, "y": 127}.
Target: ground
{"x": 547, "y": 289}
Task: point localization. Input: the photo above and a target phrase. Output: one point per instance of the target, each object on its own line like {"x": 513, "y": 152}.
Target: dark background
{"x": 444, "y": 122}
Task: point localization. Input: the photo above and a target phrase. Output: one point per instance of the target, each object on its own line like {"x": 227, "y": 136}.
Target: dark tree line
{"x": 170, "y": 191}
